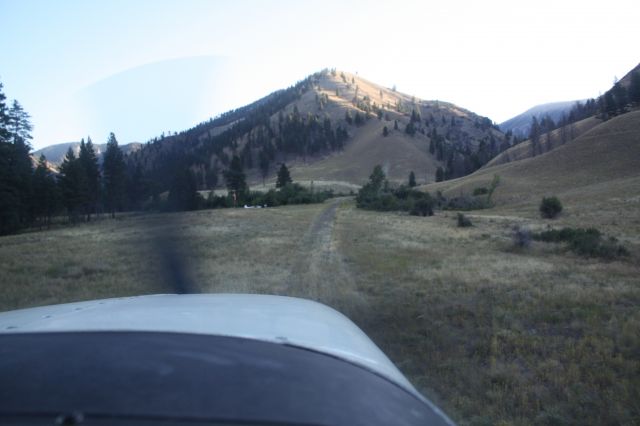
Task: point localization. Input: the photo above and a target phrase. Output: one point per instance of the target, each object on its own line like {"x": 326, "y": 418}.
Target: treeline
{"x": 18, "y": 204}
{"x": 183, "y": 194}
{"x": 86, "y": 189}
{"x": 31, "y": 195}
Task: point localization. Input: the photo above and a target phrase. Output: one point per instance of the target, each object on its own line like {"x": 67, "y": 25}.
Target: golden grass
{"x": 524, "y": 150}
{"x": 498, "y": 335}
{"x": 495, "y": 335}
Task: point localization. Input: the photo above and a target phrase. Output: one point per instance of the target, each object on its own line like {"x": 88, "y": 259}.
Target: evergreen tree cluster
{"x": 33, "y": 195}
{"x": 286, "y": 193}
{"x": 378, "y": 195}
{"x": 18, "y": 204}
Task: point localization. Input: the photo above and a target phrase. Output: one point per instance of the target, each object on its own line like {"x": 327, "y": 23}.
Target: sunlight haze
{"x": 146, "y": 67}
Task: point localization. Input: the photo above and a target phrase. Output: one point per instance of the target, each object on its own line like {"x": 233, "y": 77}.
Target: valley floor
{"x": 494, "y": 334}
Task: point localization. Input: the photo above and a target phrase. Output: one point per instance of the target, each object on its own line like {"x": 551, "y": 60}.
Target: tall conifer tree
{"x": 113, "y": 171}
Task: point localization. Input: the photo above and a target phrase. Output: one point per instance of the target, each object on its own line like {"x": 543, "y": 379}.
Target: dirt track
{"x": 321, "y": 273}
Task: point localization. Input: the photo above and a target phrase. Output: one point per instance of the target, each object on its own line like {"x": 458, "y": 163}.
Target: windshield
{"x": 459, "y": 180}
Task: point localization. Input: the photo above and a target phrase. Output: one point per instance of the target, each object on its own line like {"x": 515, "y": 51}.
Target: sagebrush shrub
{"x": 463, "y": 221}
{"x": 550, "y": 207}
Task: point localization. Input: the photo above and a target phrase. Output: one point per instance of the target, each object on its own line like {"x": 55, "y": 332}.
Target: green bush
{"x": 567, "y": 234}
{"x": 480, "y": 191}
{"x": 465, "y": 202}
{"x": 463, "y": 221}
{"x": 422, "y": 207}
{"x": 585, "y": 242}
{"x": 550, "y": 207}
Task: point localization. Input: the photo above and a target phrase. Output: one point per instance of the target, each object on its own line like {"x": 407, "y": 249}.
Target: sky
{"x": 139, "y": 68}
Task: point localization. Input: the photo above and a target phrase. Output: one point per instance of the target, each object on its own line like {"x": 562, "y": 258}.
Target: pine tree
{"x": 137, "y": 187}
{"x": 385, "y": 131}
{"x": 415, "y": 116}
{"x": 72, "y": 185}
{"x": 236, "y": 179}
{"x": 16, "y": 174}
{"x": 9, "y": 193}
{"x": 410, "y": 129}
{"x": 183, "y": 193}
{"x": 620, "y": 95}
{"x": 89, "y": 164}
{"x": 377, "y": 177}
{"x": 4, "y": 117}
{"x": 412, "y": 179}
{"x": 284, "y": 177}
{"x": 439, "y": 174}
{"x": 395, "y": 124}
{"x": 609, "y": 104}
{"x": 348, "y": 118}
{"x": 44, "y": 193}
{"x": 19, "y": 124}
{"x": 113, "y": 172}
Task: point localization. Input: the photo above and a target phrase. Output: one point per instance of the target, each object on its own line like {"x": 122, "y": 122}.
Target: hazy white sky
{"x": 139, "y": 68}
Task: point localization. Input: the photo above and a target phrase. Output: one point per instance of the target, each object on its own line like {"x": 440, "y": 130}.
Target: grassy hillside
{"x": 596, "y": 176}
{"x": 547, "y": 141}
{"x": 399, "y": 153}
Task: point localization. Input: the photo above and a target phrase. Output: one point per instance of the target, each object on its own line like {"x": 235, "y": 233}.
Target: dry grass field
{"x": 495, "y": 334}
{"x": 553, "y": 140}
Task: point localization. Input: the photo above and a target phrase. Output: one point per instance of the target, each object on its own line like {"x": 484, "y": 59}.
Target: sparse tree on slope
{"x": 609, "y": 105}
{"x": 377, "y": 178}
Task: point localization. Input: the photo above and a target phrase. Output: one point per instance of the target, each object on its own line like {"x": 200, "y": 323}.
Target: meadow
{"x": 493, "y": 333}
